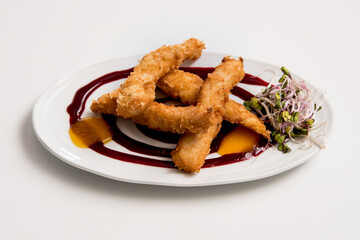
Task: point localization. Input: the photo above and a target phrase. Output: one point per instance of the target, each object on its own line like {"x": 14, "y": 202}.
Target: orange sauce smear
{"x": 88, "y": 131}
{"x": 239, "y": 140}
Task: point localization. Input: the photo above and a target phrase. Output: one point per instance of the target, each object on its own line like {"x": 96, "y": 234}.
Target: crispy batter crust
{"x": 236, "y": 113}
{"x": 186, "y": 87}
{"x": 134, "y": 99}
{"x": 192, "y": 149}
{"x": 107, "y": 104}
{"x": 181, "y": 85}
{"x": 174, "y": 119}
{"x": 138, "y": 89}
{"x": 163, "y": 117}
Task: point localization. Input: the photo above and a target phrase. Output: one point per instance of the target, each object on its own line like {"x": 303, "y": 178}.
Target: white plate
{"x": 51, "y": 125}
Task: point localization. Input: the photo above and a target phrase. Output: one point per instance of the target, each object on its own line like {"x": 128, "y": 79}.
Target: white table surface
{"x": 42, "y": 197}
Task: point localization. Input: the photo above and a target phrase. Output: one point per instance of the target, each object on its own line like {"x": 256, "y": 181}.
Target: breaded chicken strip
{"x": 189, "y": 119}
{"x": 192, "y": 149}
{"x": 181, "y": 85}
{"x": 237, "y": 113}
{"x": 107, "y": 104}
{"x": 134, "y": 98}
{"x": 138, "y": 90}
{"x": 186, "y": 87}
{"x": 163, "y": 117}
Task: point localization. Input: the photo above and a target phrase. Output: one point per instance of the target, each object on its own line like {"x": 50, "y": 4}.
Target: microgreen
{"x": 287, "y": 109}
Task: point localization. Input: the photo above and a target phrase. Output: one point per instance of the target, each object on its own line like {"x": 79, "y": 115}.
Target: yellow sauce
{"x": 88, "y": 131}
{"x": 239, "y": 140}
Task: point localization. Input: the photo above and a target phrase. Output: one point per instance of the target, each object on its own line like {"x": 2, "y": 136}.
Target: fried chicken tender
{"x": 107, "y": 104}
{"x": 138, "y": 90}
{"x": 134, "y": 98}
{"x": 237, "y": 113}
{"x": 192, "y": 149}
{"x": 163, "y": 117}
{"x": 180, "y": 120}
{"x": 186, "y": 87}
{"x": 181, "y": 85}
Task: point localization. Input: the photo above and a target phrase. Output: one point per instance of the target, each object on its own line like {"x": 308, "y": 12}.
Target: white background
{"x": 42, "y": 197}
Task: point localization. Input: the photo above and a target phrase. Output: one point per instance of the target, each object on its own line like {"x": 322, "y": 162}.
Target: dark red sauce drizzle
{"x": 77, "y": 106}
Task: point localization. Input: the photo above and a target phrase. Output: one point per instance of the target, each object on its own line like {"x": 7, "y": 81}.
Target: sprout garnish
{"x": 286, "y": 109}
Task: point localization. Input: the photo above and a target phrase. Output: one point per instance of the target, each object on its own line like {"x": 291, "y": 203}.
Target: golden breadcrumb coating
{"x": 134, "y": 100}
{"x": 237, "y": 113}
{"x": 192, "y": 149}
{"x": 181, "y": 85}
{"x": 189, "y": 119}
{"x": 138, "y": 90}
{"x": 162, "y": 117}
{"x": 186, "y": 87}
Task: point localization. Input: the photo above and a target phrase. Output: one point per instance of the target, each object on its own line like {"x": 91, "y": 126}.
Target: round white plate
{"x": 51, "y": 125}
